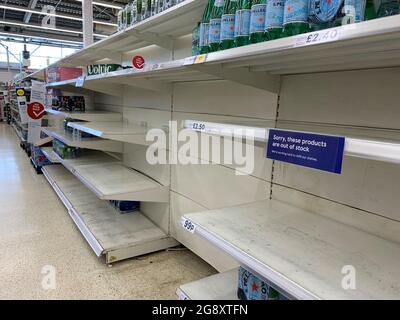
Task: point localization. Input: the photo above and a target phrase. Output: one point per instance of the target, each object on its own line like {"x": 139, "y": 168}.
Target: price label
{"x": 188, "y": 225}
{"x": 198, "y": 126}
{"x": 200, "y": 58}
{"x": 317, "y": 37}
{"x": 79, "y": 82}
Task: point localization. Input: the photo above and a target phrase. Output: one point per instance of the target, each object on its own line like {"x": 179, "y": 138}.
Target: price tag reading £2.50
{"x": 188, "y": 225}
{"x": 317, "y": 37}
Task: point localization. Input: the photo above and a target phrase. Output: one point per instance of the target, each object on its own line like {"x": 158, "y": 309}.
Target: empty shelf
{"x": 379, "y": 150}
{"x": 111, "y": 180}
{"x": 303, "y": 253}
{"x": 50, "y": 154}
{"x": 119, "y": 131}
{"x": 89, "y": 115}
{"x": 87, "y": 143}
{"x": 117, "y": 236}
{"x": 221, "y": 286}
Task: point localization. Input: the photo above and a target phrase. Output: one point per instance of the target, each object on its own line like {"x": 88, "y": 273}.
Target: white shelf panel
{"x": 220, "y": 286}
{"x": 119, "y": 131}
{"x": 161, "y": 30}
{"x": 50, "y": 154}
{"x": 89, "y": 115}
{"x": 118, "y": 236}
{"x": 88, "y": 143}
{"x": 301, "y": 252}
{"x": 111, "y": 180}
{"x": 379, "y": 150}
{"x": 370, "y": 44}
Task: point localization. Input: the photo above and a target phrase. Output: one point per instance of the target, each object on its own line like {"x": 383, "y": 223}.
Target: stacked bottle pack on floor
{"x": 233, "y": 23}
{"x": 139, "y": 10}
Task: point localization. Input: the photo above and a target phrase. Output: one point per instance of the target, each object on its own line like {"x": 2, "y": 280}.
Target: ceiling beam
{"x": 38, "y": 26}
{"x": 31, "y": 5}
{"x": 30, "y": 11}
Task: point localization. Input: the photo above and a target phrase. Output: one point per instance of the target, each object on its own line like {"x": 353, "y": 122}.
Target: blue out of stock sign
{"x": 306, "y": 149}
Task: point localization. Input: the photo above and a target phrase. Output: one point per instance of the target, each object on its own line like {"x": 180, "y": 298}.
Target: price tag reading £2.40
{"x": 317, "y": 37}
{"x": 188, "y": 225}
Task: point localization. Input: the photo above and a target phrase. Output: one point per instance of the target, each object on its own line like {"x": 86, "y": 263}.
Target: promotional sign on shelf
{"x": 322, "y": 152}
{"x": 21, "y": 100}
{"x": 36, "y": 110}
{"x": 138, "y": 62}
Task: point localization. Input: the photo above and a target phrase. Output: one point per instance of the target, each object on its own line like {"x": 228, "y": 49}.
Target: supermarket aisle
{"x": 36, "y": 232}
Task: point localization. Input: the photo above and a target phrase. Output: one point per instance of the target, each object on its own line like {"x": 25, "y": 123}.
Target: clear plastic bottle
{"x": 134, "y": 15}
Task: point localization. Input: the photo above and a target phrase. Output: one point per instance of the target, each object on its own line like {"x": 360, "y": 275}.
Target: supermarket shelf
{"x": 370, "y": 44}
{"x": 220, "y": 286}
{"x": 301, "y": 252}
{"x": 111, "y": 180}
{"x": 379, "y": 150}
{"x": 160, "y": 29}
{"x": 119, "y": 131}
{"x": 87, "y": 143}
{"x": 50, "y": 154}
{"x": 117, "y": 236}
{"x": 89, "y": 115}
{"x": 87, "y": 88}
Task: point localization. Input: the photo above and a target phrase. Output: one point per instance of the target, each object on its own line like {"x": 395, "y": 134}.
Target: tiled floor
{"x": 36, "y": 232}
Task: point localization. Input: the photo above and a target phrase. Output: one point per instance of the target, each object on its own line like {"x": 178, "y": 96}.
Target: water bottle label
{"x": 227, "y": 27}
{"x": 215, "y": 30}
{"x": 354, "y": 9}
{"x": 295, "y": 11}
{"x": 203, "y": 34}
{"x": 242, "y": 22}
{"x": 257, "y": 19}
{"x": 274, "y": 16}
{"x": 322, "y": 11}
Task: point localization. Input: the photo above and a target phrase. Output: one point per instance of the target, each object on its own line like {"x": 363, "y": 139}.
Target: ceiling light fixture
{"x": 106, "y": 4}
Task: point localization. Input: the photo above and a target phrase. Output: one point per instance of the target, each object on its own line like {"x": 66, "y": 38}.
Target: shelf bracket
{"x": 152, "y": 85}
{"x": 261, "y": 80}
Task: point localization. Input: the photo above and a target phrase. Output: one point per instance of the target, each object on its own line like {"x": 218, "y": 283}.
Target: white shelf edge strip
{"x": 362, "y": 148}
{"x": 94, "y": 244}
{"x": 292, "y": 288}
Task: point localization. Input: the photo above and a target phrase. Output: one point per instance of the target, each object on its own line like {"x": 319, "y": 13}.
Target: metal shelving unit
{"x": 50, "y": 154}
{"x": 88, "y": 115}
{"x": 79, "y": 142}
{"x": 380, "y": 150}
{"x": 118, "y": 131}
{"x": 109, "y": 233}
{"x": 111, "y": 180}
{"x": 371, "y": 44}
{"x": 301, "y": 252}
